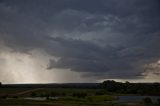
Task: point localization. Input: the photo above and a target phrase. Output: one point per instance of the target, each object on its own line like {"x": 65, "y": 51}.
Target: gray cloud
{"x": 102, "y": 39}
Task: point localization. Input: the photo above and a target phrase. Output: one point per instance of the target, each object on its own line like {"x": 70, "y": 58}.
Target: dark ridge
{"x": 53, "y": 85}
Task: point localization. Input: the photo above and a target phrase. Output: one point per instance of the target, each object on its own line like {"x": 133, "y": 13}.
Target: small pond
{"x": 120, "y": 98}
{"x": 40, "y": 98}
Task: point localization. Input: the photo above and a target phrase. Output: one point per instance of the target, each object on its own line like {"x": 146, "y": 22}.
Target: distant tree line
{"x": 131, "y": 88}
{"x": 107, "y": 86}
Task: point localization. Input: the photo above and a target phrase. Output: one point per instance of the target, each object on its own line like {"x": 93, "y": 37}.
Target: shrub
{"x": 54, "y": 94}
{"x": 158, "y": 100}
{"x": 100, "y": 98}
{"x": 4, "y": 96}
{"x": 100, "y": 93}
{"x": 15, "y": 97}
{"x": 79, "y": 95}
{"x": 147, "y": 100}
{"x": 33, "y": 94}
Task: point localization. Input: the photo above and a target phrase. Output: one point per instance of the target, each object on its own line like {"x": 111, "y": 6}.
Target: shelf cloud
{"x": 87, "y": 41}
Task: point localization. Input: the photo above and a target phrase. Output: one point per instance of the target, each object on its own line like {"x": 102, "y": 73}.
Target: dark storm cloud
{"x": 86, "y": 57}
{"x": 103, "y": 38}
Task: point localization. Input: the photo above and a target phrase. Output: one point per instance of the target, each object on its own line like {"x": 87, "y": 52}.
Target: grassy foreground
{"x": 18, "y": 102}
{"x": 66, "y": 97}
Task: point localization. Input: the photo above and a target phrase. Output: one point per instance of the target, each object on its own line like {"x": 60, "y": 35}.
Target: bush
{"x": 79, "y": 95}
{"x": 100, "y": 93}
{"x": 100, "y": 98}
{"x": 4, "y": 96}
{"x": 158, "y": 100}
{"x": 147, "y": 100}
{"x": 53, "y": 94}
{"x": 33, "y": 94}
{"x": 15, "y": 97}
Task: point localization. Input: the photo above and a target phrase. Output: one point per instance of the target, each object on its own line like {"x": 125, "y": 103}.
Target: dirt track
{"x": 26, "y": 91}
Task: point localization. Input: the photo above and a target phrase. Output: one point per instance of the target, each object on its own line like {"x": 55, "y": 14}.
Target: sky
{"x": 74, "y": 41}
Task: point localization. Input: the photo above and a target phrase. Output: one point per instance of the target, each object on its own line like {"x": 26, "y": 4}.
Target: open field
{"x": 109, "y": 93}
{"x": 19, "y": 102}
{"x": 65, "y": 97}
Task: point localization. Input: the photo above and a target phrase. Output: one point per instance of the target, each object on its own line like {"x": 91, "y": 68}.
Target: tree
{"x": 113, "y": 86}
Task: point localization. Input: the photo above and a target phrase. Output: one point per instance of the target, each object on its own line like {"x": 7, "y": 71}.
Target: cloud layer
{"x": 106, "y": 39}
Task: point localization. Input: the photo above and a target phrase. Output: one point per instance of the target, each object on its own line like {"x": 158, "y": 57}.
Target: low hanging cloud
{"x": 105, "y": 39}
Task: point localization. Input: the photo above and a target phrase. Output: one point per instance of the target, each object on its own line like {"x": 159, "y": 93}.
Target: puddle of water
{"x": 40, "y": 98}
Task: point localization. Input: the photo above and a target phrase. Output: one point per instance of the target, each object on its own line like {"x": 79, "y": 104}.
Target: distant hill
{"x": 53, "y": 85}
